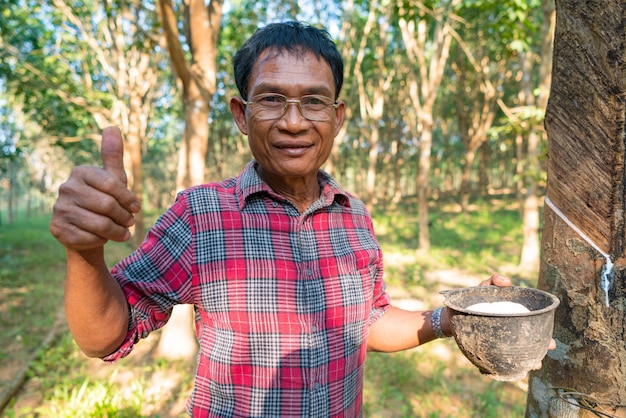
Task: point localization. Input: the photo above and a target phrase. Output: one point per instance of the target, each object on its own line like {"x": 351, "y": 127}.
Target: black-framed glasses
{"x": 314, "y": 107}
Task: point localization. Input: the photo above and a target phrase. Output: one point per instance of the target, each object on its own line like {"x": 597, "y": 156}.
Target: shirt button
{"x": 274, "y": 204}
{"x": 309, "y": 272}
{"x": 314, "y": 328}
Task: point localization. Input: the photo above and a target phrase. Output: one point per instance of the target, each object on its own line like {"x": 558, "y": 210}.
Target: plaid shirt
{"x": 283, "y": 300}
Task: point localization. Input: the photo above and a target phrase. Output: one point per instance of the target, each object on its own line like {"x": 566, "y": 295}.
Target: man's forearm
{"x": 400, "y": 330}
{"x": 95, "y": 305}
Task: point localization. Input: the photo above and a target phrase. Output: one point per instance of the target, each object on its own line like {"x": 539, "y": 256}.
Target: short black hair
{"x": 295, "y": 37}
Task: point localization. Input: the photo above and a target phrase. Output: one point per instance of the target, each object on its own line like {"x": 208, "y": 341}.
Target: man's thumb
{"x": 112, "y": 153}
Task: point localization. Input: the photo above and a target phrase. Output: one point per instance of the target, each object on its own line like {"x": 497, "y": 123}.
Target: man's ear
{"x": 340, "y": 112}
{"x": 238, "y": 109}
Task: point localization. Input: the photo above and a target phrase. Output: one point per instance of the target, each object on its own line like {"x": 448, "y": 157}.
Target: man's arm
{"x": 399, "y": 330}
{"x": 95, "y": 206}
{"x": 95, "y": 306}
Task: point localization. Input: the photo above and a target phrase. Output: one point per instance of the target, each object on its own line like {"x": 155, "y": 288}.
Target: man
{"x": 281, "y": 264}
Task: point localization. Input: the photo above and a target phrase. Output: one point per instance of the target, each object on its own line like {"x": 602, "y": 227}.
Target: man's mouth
{"x": 293, "y": 148}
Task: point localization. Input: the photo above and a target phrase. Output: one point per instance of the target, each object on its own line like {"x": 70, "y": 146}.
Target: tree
{"x": 198, "y": 80}
{"x": 428, "y": 49}
{"x": 373, "y": 88}
{"x": 197, "y": 77}
{"x": 530, "y": 254}
{"x": 584, "y": 236}
{"x": 476, "y": 109}
{"x": 11, "y": 161}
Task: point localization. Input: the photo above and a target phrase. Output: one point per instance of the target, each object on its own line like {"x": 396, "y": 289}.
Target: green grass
{"x": 481, "y": 241}
{"x": 417, "y": 383}
{"x": 31, "y": 279}
{"x": 420, "y": 383}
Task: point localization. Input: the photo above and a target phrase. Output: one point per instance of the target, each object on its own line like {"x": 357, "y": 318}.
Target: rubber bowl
{"x": 504, "y": 346}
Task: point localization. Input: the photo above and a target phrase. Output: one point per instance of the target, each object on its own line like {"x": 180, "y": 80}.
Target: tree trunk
{"x": 584, "y": 218}
{"x": 192, "y": 154}
{"x": 198, "y": 79}
{"x": 422, "y": 188}
{"x": 429, "y": 57}
{"x": 466, "y": 174}
{"x": 530, "y": 258}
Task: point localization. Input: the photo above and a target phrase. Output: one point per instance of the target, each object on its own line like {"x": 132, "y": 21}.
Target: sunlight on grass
{"x": 73, "y": 386}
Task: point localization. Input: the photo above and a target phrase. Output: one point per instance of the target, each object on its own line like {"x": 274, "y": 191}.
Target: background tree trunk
{"x": 198, "y": 79}
{"x": 586, "y": 183}
{"x": 428, "y": 56}
{"x": 530, "y": 258}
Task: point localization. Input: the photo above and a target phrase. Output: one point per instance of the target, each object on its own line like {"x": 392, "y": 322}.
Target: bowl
{"x": 504, "y": 346}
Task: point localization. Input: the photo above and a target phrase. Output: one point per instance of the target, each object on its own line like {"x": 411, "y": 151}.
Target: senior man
{"x": 281, "y": 264}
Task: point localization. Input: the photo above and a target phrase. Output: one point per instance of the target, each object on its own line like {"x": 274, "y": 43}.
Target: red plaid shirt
{"x": 283, "y": 300}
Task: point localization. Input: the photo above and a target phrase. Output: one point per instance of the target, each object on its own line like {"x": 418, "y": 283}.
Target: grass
{"x": 431, "y": 381}
{"x": 423, "y": 383}
{"x": 31, "y": 277}
{"x": 481, "y": 241}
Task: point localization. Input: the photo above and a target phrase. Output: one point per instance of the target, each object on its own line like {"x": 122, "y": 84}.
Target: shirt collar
{"x": 250, "y": 183}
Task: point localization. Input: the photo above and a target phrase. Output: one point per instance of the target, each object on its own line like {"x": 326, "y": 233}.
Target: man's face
{"x": 291, "y": 146}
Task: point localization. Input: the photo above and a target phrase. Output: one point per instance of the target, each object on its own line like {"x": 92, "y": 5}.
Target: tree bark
{"x": 586, "y": 375}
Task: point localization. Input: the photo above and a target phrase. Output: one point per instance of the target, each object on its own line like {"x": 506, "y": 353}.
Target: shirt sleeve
{"x": 156, "y": 276}
{"x": 381, "y": 301}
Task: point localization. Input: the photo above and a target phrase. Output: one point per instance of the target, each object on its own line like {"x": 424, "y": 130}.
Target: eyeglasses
{"x": 270, "y": 106}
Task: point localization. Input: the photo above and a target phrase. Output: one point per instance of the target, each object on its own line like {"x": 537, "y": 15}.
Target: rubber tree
{"x": 584, "y": 230}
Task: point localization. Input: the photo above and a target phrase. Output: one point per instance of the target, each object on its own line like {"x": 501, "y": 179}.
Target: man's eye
{"x": 314, "y": 101}
{"x": 272, "y": 99}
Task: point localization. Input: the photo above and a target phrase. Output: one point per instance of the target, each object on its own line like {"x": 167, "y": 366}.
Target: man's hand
{"x": 95, "y": 205}
{"x": 497, "y": 280}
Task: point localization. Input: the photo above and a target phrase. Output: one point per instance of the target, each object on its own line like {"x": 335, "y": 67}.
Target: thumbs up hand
{"x": 94, "y": 204}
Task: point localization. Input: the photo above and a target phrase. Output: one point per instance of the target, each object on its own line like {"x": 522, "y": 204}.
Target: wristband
{"x": 435, "y": 324}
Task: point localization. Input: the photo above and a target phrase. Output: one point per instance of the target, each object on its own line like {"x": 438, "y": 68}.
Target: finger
{"x": 96, "y": 190}
{"x": 552, "y": 345}
{"x": 76, "y": 237}
{"x": 80, "y": 228}
{"x": 112, "y": 152}
{"x": 497, "y": 280}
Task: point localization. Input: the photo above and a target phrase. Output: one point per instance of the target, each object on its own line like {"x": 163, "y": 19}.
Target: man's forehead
{"x": 267, "y": 73}
{"x": 298, "y": 53}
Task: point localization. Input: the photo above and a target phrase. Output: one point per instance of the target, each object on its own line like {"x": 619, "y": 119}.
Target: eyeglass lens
{"x": 274, "y": 106}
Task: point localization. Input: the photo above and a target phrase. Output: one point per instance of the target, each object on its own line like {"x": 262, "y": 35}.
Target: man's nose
{"x": 293, "y": 113}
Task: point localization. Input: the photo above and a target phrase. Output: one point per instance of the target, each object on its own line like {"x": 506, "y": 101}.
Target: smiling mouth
{"x": 293, "y": 150}
{"x": 293, "y": 145}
